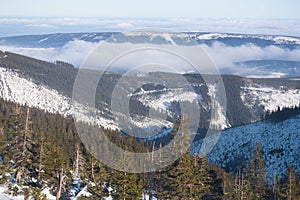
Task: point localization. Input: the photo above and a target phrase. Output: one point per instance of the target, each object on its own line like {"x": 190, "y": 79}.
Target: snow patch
{"x": 163, "y": 101}
{"x": 218, "y": 116}
{"x": 279, "y": 143}
{"x": 270, "y": 98}
{"x": 25, "y": 92}
{"x": 43, "y": 40}
{"x": 274, "y": 38}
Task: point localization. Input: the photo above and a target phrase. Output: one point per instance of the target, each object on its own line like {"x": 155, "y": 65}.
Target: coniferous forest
{"x": 43, "y": 151}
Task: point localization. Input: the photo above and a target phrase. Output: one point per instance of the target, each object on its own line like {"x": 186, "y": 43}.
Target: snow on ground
{"x": 279, "y": 143}
{"x": 218, "y": 116}
{"x": 168, "y": 38}
{"x": 25, "y": 92}
{"x": 211, "y": 36}
{"x": 20, "y": 90}
{"x": 270, "y": 98}
{"x": 47, "y": 193}
{"x": 43, "y": 40}
{"x": 276, "y": 39}
{"x": 269, "y": 75}
{"x": 163, "y": 102}
{"x": 5, "y": 196}
{"x": 284, "y": 39}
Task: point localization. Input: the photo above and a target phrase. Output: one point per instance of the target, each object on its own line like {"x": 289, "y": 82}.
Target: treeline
{"x": 43, "y": 150}
{"x": 282, "y": 114}
{"x": 59, "y": 75}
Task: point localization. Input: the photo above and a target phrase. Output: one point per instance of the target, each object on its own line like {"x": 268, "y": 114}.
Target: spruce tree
{"x": 288, "y": 187}
{"x": 257, "y": 176}
{"x": 99, "y": 178}
{"x": 126, "y": 185}
{"x": 20, "y": 144}
{"x": 243, "y": 188}
{"x": 26, "y": 193}
{"x": 189, "y": 178}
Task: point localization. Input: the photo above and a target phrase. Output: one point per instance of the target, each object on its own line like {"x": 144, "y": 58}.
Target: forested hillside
{"x": 42, "y": 152}
{"x": 60, "y": 76}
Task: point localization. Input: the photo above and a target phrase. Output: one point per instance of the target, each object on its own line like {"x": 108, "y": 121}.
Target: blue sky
{"x": 23, "y": 17}
{"x": 152, "y": 8}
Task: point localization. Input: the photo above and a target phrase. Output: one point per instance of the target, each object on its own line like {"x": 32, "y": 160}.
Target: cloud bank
{"x": 73, "y": 52}
{"x": 224, "y": 57}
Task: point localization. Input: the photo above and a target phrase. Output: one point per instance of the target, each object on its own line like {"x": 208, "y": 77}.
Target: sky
{"x": 153, "y": 8}
{"x": 276, "y": 17}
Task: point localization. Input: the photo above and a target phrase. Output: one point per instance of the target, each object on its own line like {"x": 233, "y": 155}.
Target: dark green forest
{"x": 41, "y": 150}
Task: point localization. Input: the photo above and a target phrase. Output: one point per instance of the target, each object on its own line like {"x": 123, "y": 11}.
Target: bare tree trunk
{"x": 93, "y": 172}
{"x": 290, "y": 186}
{"x": 20, "y": 171}
{"x": 124, "y": 188}
{"x": 274, "y": 186}
{"x": 25, "y": 133}
{"x": 19, "y": 175}
{"x": 61, "y": 180}
{"x": 242, "y": 192}
{"x": 76, "y": 169}
{"x": 40, "y": 159}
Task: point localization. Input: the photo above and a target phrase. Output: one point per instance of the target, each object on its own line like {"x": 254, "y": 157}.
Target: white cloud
{"x": 129, "y": 56}
{"x": 124, "y": 25}
{"x": 76, "y": 51}
{"x": 41, "y": 26}
{"x": 101, "y": 54}
{"x": 47, "y": 54}
{"x": 73, "y": 52}
{"x": 231, "y": 25}
{"x": 225, "y": 56}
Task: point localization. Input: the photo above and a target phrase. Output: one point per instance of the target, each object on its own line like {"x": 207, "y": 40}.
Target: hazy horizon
{"x": 14, "y": 26}
{"x": 272, "y": 17}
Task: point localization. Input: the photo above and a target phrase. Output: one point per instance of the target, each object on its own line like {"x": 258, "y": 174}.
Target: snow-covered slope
{"x": 163, "y": 101}
{"x": 270, "y": 98}
{"x": 279, "y": 142}
{"x": 274, "y": 38}
{"x": 60, "y": 39}
{"x": 25, "y": 92}
{"x": 15, "y": 88}
{"x": 268, "y": 68}
{"x": 218, "y": 118}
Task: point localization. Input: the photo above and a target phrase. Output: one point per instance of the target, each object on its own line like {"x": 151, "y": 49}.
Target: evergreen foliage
{"x": 47, "y": 149}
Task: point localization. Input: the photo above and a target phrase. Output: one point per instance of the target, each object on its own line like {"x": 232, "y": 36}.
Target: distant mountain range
{"x": 242, "y": 63}
{"x": 185, "y": 38}
{"x": 269, "y": 68}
